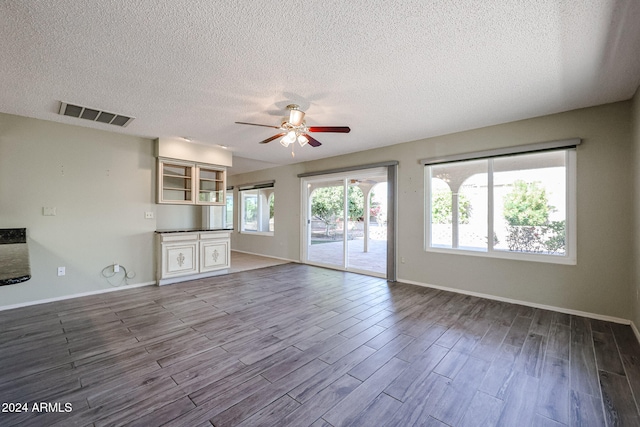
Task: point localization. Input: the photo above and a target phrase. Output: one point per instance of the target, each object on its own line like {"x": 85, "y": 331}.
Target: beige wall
{"x": 101, "y": 184}
{"x": 286, "y": 240}
{"x": 635, "y": 261}
{"x": 177, "y": 217}
{"x": 601, "y": 281}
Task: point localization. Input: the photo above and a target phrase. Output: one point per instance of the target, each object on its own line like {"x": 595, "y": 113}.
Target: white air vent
{"x": 94, "y": 115}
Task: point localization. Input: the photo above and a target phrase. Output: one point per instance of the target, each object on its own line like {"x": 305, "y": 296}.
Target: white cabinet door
{"x": 180, "y": 258}
{"x": 214, "y": 255}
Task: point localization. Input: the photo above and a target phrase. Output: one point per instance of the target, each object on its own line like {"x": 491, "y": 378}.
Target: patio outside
{"x": 366, "y": 238}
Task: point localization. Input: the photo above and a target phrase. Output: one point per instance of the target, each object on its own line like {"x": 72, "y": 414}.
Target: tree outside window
{"x": 327, "y": 206}
{"x": 526, "y": 211}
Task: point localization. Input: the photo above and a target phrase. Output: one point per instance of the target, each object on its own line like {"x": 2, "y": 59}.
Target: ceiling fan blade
{"x": 256, "y": 124}
{"x": 272, "y": 138}
{"x": 336, "y": 129}
{"x": 312, "y": 141}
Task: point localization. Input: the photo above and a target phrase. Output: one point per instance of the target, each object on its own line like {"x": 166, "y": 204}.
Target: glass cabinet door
{"x": 211, "y": 186}
{"x": 176, "y": 183}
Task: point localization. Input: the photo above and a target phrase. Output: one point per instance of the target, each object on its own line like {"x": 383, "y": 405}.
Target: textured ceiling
{"x": 393, "y": 71}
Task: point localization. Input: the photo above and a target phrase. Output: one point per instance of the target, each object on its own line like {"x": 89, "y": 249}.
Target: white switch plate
{"x": 49, "y": 211}
{"x": 148, "y": 215}
{"x": 61, "y": 271}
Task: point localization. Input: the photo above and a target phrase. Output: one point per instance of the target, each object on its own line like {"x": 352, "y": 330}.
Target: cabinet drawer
{"x": 178, "y": 237}
{"x": 214, "y": 255}
{"x": 180, "y": 259}
{"x": 214, "y": 235}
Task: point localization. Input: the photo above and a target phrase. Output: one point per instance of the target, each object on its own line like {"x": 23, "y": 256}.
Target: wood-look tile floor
{"x": 241, "y": 261}
{"x": 299, "y": 345}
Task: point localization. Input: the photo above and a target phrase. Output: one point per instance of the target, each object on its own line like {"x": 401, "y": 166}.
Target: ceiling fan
{"x": 295, "y": 129}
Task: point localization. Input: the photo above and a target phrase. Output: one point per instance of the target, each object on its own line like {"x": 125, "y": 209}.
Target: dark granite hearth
{"x": 13, "y": 235}
{"x": 14, "y": 256}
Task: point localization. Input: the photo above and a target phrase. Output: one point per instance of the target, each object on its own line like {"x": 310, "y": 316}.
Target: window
{"x": 519, "y": 206}
{"x": 257, "y": 209}
{"x": 228, "y": 210}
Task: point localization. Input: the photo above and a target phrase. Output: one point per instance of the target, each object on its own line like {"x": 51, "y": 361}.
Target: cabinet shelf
{"x": 170, "y": 175}
{"x": 189, "y": 183}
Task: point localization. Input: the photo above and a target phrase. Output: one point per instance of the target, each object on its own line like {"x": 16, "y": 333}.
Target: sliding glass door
{"x": 345, "y": 221}
{"x": 326, "y": 223}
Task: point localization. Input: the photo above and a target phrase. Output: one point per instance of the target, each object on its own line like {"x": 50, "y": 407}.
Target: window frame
{"x": 241, "y": 207}
{"x": 228, "y": 221}
{"x": 570, "y": 256}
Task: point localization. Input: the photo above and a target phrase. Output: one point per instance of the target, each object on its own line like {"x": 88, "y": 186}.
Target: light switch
{"x": 47, "y": 211}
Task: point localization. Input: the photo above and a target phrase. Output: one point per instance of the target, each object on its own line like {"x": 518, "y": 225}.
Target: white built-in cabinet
{"x": 188, "y": 183}
{"x": 214, "y": 251}
{"x": 192, "y": 255}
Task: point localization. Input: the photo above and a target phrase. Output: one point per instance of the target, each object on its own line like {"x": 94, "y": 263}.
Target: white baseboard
{"x": 82, "y": 294}
{"x": 529, "y": 304}
{"x": 117, "y": 288}
{"x": 411, "y": 282}
{"x": 266, "y": 256}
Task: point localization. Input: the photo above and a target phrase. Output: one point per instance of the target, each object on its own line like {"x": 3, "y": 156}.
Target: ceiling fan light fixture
{"x": 288, "y": 139}
{"x": 295, "y": 117}
{"x": 291, "y": 136}
{"x": 295, "y": 129}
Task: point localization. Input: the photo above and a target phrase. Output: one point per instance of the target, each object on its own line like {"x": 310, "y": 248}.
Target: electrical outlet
{"x": 402, "y": 260}
{"x": 116, "y": 267}
{"x": 148, "y": 215}
{"x": 61, "y": 271}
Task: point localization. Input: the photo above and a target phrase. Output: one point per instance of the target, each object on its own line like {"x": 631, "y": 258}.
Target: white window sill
{"x": 516, "y": 256}
{"x": 257, "y": 233}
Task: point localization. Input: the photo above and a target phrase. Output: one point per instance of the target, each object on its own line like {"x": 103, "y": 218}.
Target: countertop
{"x": 192, "y": 230}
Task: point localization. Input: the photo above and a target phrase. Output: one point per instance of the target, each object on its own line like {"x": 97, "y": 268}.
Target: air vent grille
{"x": 94, "y": 115}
